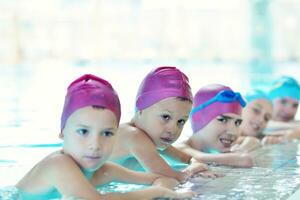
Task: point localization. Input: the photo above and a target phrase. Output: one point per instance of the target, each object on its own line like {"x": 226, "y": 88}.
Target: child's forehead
{"x": 261, "y": 103}
{"x": 172, "y": 101}
{"x": 172, "y": 105}
{"x": 232, "y": 116}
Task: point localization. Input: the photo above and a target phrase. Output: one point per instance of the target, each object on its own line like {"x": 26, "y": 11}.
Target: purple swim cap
{"x": 161, "y": 83}
{"x": 213, "y": 100}
{"x": 90, "y": 90}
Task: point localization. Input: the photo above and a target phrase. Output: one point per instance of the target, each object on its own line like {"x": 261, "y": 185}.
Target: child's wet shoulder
{"x": 129, "y": 130}
{"x": 57, "y": 159}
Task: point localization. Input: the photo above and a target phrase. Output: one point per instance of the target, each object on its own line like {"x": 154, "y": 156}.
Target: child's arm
{"x": 281, "y": 136}
{"x": 195, "y": 165}
{"x": 229, "y": 159}
{"x": 178, "y": 154}
{"x": 280, "y": 126}
{"x": 66, "y": 176}
{"x": 246, "y": 144}
{"x": 144, "y": 150}
{"x": 113, "y": 172}
{"x": 68, "y": 179}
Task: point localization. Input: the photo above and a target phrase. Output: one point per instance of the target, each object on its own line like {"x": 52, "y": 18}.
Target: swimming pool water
{"x": 275, "y": 176}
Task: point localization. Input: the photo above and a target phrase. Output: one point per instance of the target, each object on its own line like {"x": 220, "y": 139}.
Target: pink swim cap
{"x": 213, "y": 100}
{"x": 161, "y": 83}
{"x": 90, "y": 90}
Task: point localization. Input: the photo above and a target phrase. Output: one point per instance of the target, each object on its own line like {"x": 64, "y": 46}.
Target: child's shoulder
{"x": 44, "y": 171}
{"x": 130, "y": 130}
{"x": 131, "y": 134}
{"x": 56, "y": 160}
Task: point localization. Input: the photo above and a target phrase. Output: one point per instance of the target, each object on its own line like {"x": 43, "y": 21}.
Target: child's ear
{"x": 61, "y": 135}
{"x": 139, "y": 112}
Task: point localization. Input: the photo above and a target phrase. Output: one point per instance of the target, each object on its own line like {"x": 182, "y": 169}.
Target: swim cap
{"x": 213, "y": 100}
{"x": 256, "y": 94}
{"x": 285, "y": 86}
{"x": 162, "y": 83}
{"x": 90, "y": 90}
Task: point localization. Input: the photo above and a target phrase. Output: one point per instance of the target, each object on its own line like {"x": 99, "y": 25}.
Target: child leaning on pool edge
{"x": 163, "y": 104}
{"x": 89, "y": 124}
{"x": 215, "y": 119}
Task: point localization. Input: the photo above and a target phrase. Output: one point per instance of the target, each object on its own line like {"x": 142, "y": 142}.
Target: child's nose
{"x": 171, "y": 127}
{"x": 233, "y": 129}
{"x": 94, "y": 144}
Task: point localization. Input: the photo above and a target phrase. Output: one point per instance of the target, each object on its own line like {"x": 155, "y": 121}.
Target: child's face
{"x": 221, "y": 132}
{"x": 164, "y": 121}
{"x": 256, "y": 115}
{"x": 89, "y": 136}
{"x": 284, "y": 109}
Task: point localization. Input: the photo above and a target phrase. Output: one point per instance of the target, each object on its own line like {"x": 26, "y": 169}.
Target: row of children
{"x": 223, "y": 133}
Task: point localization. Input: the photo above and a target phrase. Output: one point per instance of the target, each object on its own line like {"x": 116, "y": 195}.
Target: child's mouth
{"x": 166, "y": 140}
{"x": 93, "y": 157}
{"x": 226, "y": 142}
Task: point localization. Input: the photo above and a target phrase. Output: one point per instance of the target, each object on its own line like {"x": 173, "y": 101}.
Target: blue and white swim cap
{"x": 285, "y": 86}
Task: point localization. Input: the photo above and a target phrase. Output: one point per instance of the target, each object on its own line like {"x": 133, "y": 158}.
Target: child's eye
{"x": 283, "y": 101}
{"x": 82, "y": 131}
{"x": 295, "y": 105}
{"x": 166, "y": 117}
{"x": 256, "y": 110}
{"x": 107, "y": 133}
{"x": 222, "y": 119}
{"x": 181, "y": 122}
{"x": 238, "y": 122}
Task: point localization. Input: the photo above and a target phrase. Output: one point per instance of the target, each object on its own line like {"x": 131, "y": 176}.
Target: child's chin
{"x": 161, "y": 148}
{"x": 92, "y": 168}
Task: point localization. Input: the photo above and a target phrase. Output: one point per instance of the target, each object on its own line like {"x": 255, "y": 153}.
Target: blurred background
{"x": 46, "y": 44}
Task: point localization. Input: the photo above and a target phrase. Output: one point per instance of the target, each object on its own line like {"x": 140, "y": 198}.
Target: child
{"x": 215, "y": 120}
{"x": 285, "y": 95}
{"x": 163, "y": 104}
{"x": 89, "y": 124}
{"x": 256, "y": 116}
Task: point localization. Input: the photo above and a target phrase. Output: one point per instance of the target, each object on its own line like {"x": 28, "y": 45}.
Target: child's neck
{"x": 87, "y": 173}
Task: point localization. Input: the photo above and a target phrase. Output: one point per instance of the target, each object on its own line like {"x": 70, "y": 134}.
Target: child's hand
{"x": 194, "y": 168}
{"x": 183, "y": 176}
{"x": 210, "y": 174}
